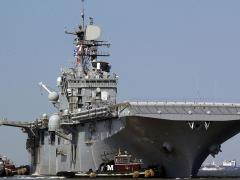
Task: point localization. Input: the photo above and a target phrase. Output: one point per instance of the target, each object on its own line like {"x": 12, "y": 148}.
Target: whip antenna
{"x": 82, "y": 13}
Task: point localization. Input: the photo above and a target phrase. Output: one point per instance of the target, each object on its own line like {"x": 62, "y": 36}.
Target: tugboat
{"x": 122, "y": 163}
{"x": 2, "y": 169}
{"x": 7, "y": 168}
{"x": 125, "y": 163}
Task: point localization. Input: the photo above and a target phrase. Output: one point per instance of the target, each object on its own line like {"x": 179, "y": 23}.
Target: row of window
{"x": 92, "y": 81}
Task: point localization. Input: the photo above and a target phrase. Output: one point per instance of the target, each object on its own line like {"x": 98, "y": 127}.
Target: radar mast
{"x": 86, "y": 46}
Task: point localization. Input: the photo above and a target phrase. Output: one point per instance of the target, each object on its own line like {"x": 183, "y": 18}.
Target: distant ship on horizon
{"x": 226, "y": 165}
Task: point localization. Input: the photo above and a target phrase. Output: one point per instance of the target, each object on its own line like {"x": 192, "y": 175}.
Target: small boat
{"x": 7, "y": 167}
{"x": 2, "y": 169}
{"x": 211, "y": 167}
{"x": 123, "y": 165}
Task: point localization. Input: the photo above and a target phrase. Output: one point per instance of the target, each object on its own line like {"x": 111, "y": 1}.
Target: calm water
{"x": 60, "y": 178}
{"x": 209, "y": 175}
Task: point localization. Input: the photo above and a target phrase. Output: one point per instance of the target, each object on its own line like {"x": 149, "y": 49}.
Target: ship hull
{"x": 174, "y": 146}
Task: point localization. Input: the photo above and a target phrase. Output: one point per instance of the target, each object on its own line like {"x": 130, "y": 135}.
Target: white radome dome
{"x": 54, "y": 122}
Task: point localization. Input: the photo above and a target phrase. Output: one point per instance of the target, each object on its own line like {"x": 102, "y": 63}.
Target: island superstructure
{"x": 90, "y": 126}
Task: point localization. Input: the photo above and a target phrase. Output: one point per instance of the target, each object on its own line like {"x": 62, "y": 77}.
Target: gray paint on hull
{"x": 144, "y": 138}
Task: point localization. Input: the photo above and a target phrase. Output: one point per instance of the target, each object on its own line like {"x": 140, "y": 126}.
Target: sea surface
{"x": 129, "y": 178}
{"x": 203, "y": 175}
{"x": 155, "y": 178}
{"x": 61, "y": 178}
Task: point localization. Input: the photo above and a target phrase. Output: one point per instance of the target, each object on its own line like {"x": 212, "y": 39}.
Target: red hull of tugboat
{"x": 127, "y": 167}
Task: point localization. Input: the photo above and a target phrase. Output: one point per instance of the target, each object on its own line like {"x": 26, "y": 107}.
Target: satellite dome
{"x": 44, "y": 116}
{"x": 54, "y": 122}
{"x": 93, "y": 32}
{"x": 53, "y": 97}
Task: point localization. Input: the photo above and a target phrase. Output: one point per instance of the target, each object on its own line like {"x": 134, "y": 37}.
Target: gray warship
{"x": 90, "y": 126}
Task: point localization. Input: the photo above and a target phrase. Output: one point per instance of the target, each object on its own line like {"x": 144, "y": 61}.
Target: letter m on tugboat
{"x": 110, "y": 167}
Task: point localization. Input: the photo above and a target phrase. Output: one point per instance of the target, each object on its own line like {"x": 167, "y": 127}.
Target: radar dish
{"x": 93, "y": 32}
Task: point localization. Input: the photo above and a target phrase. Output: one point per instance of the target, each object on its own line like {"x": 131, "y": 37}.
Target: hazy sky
{"x": 161, "y": 49}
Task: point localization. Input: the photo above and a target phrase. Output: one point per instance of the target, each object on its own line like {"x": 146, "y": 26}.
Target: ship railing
{"x": 96, "y": 112}
{"x": 189, "y": 108}
{"x": 183, "y": 103}
{"x": 84, "y": 84}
